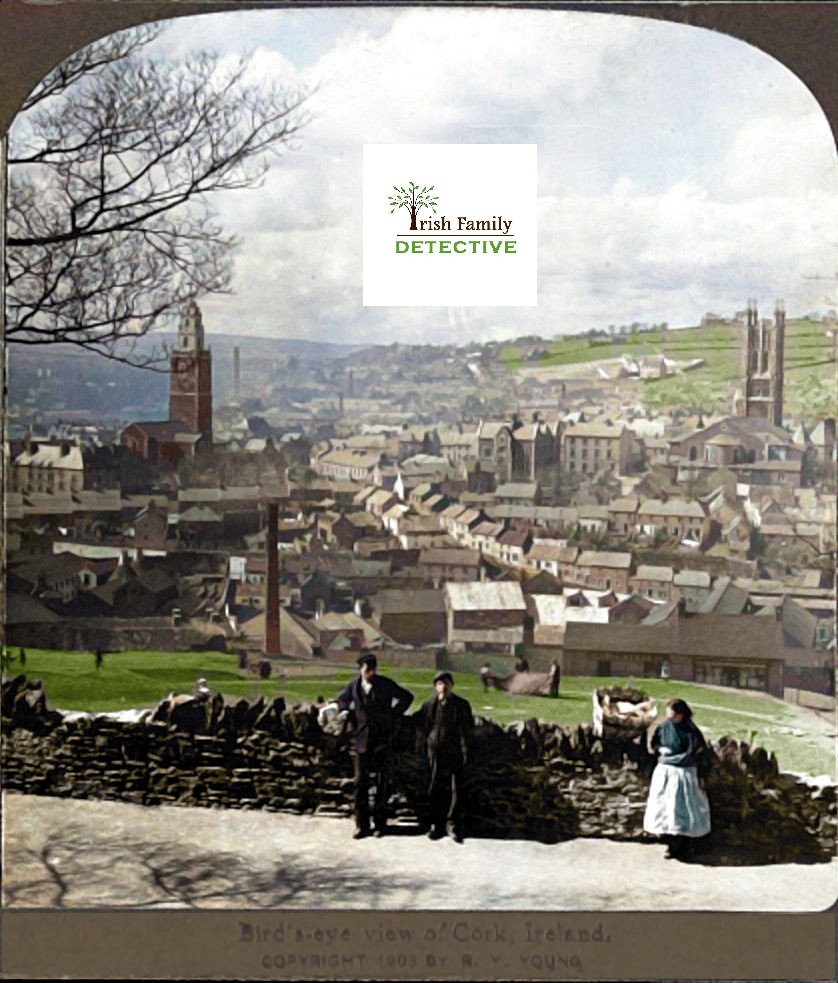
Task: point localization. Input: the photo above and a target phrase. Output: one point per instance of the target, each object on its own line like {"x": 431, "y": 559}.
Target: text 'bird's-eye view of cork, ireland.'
{"x": 315, "y": 601}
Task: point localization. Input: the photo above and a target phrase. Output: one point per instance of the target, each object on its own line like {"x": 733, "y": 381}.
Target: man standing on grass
{"x": 376, "y": 703}
{"x": 447, "y": 724}
{"x": 554, "y": 678}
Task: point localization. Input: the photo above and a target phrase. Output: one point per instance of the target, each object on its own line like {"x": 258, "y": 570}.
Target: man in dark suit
{"x": 447, "y": 724}
{"x": 521, "y": 664}
{"x": 554, "y": 678}
{"x": 376, "y": 702}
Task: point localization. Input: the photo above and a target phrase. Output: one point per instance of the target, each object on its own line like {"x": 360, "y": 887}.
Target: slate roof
{"x": 707, "y": 636}
{"x": 649, "y": 572}
{"x": 440, "y": 556}
{"x": 66, "y": 457}
{"x": 604, "y": 558}
{"x": 409, "y": 602}
{"x": 486, "y": 596}
{"x": 692, "y": 578}
{"x": 593, "y": 430}
{"x": 517, "y": 489}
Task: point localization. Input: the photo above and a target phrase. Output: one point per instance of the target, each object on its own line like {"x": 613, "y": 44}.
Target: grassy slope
{"x": 810, "y": 385}
{"x": 139, "y": 679}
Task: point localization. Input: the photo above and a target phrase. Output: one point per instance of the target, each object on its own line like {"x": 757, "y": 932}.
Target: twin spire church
{"x": 188, "y": 431}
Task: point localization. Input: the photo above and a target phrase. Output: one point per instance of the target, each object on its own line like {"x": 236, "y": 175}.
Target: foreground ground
{"x": 803, "y": 742}
{"x": 82, "y": 854}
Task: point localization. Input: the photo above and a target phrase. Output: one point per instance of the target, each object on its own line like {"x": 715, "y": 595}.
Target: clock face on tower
{"x": 183, "y": 377}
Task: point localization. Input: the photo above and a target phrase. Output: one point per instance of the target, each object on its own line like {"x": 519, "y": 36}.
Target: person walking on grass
{"x": 447, "y": 724}
{"x": 375, "y": 703}
{"x": 677, "y": 810}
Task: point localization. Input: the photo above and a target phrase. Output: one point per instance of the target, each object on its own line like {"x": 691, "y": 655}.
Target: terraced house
{"x": 348, "y": 464}
{"x": 485, "y": 616}
{"x": 588, "y": 448}
{"x": 674, "y": 518}
{"x": 494, "y": 448}
{"x": 603, "y": 570}
{"x": 535, "y": 452}
{"x": 48, "y": 468}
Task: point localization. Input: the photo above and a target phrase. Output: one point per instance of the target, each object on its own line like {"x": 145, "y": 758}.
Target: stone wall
{"x": 531, "y": 780}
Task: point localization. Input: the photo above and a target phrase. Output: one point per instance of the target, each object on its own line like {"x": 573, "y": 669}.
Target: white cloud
{"x": 679, "y": 170}
{"x": 782, "y": 154}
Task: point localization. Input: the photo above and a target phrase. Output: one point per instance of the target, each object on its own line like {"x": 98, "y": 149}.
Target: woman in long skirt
{"x": 678, "y": 810}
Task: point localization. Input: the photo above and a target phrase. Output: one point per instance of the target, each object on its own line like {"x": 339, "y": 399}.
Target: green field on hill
{"x": 141, "y": 679}
{"x": 811, "y": 388}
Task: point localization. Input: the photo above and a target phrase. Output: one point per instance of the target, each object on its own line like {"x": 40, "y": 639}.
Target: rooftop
{"x": 673, "y": 507}
{"x": 648, "y": 572}
{"x": 604, "y": 558}
{"x": 65, "y": 456}
{"x": 592, "y": 430}
{"x": 443, "y": 556}
{"x": 503, "y": 595}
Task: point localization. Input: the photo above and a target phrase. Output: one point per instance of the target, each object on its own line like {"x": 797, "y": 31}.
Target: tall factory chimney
{"x": 272, "y": 583}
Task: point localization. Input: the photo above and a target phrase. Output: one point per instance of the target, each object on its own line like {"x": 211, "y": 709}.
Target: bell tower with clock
{"x": 190, "y": 385}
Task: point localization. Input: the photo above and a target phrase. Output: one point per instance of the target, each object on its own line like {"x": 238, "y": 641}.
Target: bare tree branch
{"x": 110, "y": 170}
{"x": 89, "y": 60}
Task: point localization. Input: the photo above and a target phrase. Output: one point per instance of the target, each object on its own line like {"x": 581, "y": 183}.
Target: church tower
{"x": 763, "y": 365}
{"x": 190, "y": 386}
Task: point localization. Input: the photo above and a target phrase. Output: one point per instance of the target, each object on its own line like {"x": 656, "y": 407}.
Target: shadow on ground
{"x": 706, "y": 853}
{"x": 73, "y": 871}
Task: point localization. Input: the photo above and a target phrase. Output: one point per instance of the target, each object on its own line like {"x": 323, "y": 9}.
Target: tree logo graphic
{"x": 413, "y": 198}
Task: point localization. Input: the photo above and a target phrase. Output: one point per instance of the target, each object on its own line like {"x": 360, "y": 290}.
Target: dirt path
{"x": 73, "y": 853}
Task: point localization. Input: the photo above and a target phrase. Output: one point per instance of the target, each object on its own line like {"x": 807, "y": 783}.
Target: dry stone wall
{"x": 533, "y": 780}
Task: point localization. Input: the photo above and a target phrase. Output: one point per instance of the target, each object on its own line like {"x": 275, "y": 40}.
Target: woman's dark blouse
{"x": 684, "y": 743}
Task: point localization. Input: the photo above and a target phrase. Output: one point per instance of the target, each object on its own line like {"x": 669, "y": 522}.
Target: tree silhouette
{"x": 111, "y": 164}
{"x": 412, "y": 198}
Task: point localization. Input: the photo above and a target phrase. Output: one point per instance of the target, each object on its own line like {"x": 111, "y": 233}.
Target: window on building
{"x": 603, "y": 667}
{"x": 730, "y": 677}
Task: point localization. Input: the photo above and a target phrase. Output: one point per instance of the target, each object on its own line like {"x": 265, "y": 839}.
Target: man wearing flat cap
{"x": 375, "y": 701}
{"x": 447, "y": 724}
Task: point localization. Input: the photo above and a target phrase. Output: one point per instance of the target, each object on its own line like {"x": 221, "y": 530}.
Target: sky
{"x": 679, "y": 170}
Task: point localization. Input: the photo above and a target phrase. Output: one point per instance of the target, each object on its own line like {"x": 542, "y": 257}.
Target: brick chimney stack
{"x": 272, "y": 583}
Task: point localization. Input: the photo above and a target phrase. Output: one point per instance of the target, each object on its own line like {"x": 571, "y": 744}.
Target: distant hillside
{"x": 321, "y": 351}
{"x": 65, "y": 378}
{"x": 810, "y": 369}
